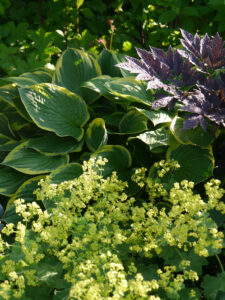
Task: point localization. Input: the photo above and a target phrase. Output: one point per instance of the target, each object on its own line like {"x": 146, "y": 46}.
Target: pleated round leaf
{"x": 133, "y": 122}
{"x": 156, "y": 117}
{"x": 114, "y": 118}
{"x": 119, "y": 158}
{"x": 29, "y": 161}
{"x": 56, "y": 109}
{"x": 196, "y": 163}
{"x": 96, "y": 135}
{"x": 75, "y": 67}
{"x": 11, "y": 180}
{"x": 196, "y": 136}
{"x": 26, "y": 192}
{"x": 130, "y": 89}
{"x": 51, "y": 144}
{"x": 66, "y": 172}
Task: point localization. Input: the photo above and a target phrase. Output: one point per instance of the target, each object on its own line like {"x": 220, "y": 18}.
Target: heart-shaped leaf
{"x": 73, "y": 68}
{"x": 29, "y": 161}
{"x": 96, "y": 134}
{"x": 55, "y": 109}
{"x": 133, "y": 122}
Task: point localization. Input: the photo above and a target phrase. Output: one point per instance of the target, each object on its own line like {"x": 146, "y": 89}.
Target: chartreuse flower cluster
{"x": 92, "y": 241}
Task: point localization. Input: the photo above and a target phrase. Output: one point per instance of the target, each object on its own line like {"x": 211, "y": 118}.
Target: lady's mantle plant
{"x": 194, "y": 77}
{"x": 91, "y": 241}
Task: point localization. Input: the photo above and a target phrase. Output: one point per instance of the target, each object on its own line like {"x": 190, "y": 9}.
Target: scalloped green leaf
{"x": 8, "y": 92}
{"x": 119, "y": 158}
{"x": 196, "y": 163}
{"x": 51, "y": 144}
{"x": 133, "y": 122}
{"x": 66, "y": 172}
{"x": 56, "y": 109}
{"x": 75, "y": 67}
{"x": 29, "y": 161}
{"x": 10, "y": 180}
{"x": 96, "y": 135}
{"x": 196, "y": 136}
{"x": 130, "y": 89}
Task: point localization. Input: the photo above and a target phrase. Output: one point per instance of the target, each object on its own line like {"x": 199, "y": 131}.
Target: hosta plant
{"x": 86, "y": 239}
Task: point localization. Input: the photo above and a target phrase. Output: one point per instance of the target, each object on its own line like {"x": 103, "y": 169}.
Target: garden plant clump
{"x": 112, "y": 185}
{"x": 87, "y": 238}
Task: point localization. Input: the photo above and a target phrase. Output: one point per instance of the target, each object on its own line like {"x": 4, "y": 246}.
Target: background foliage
{"x": 33, "y": 33}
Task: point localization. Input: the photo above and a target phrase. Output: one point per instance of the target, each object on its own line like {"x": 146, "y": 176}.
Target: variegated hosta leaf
{"x": 75, "y": 67}
{"x": 56, "y": 109}
{"x": 29, "y": 161}
{"x": 96, "y": 135}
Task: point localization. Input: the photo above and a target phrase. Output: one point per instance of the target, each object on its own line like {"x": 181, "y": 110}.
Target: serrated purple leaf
{"x": 162, "y": 102}
{"x": 192, "y": 108}
{"x": 187, "y": 35}
{"x": 193, "y": 121}
{"x": 158, "y": 54}
{"x": 204, "y": 44}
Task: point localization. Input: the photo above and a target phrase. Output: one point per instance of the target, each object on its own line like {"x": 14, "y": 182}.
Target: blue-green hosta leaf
{"x": 66, "y": 172}
{"x": 130, "y": 89}
{"x": 5, "y": 128}
{"x": 107, "y": 61}
{"x": 9, "y": 145}
{"x": 196, "y": 163}
{"x": 26, "y": 192}
{"x": 52, "y": 144}
{"x": 55, "y": 109}
{"x": 8, "y": 92}
{"x": 133, "y": 122}
{"x": 27, "y": 79}
{"x": 96, "y": 135}
{"x": 29, "y": 161}
{"x": 154, "y": 138}
{"x": 119, "y": 158}
{"x": 16, "y": 121}
{"x": 195, "y": 136}
{"x": 114, "y": 118}
{"x": 156, "y": 117}
{"x": 10, "y": 180}
{"x": 75, "y": 67}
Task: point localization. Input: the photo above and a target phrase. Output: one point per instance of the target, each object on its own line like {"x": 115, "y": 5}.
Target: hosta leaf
{"x": 155, "y": 138}
{"x": 75, "y": 67}
{"x": 5, "y": 128}
{"x": 61, "y": 294}
{"x": 10, "y": 180}
{"x": 114, "y": 118}
{"x": 133, "y": 122}
{"x": 156, "y": 117}
{"x": 96, "y": 135}
{"x": 130, "y": 89}
{"x": 52, "y": 144}
{"x": 55, "y": 109}
{"x": 119, "y": 158}
{"x": 107, "y": 61}
{"x": 196, "y": 164}
{"x": 66, "y": 172}
{"x": 8, "y": 92}
{"x": 29, "y": 161}
{"x": 196, "y": 136}
{"x": 27, "y": 79}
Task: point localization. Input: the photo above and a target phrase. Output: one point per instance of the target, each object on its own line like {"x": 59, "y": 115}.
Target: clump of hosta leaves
{"x": 194, "y": 77}
{"x": 91, "y": 241}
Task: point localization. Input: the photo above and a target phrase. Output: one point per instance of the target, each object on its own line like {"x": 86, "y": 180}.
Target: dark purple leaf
{"x": 162, "y": 102}
{"x": 193, "y": 121}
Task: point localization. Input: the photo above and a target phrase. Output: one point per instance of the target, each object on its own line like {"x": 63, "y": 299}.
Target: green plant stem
{"x": 220, "y": 263}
